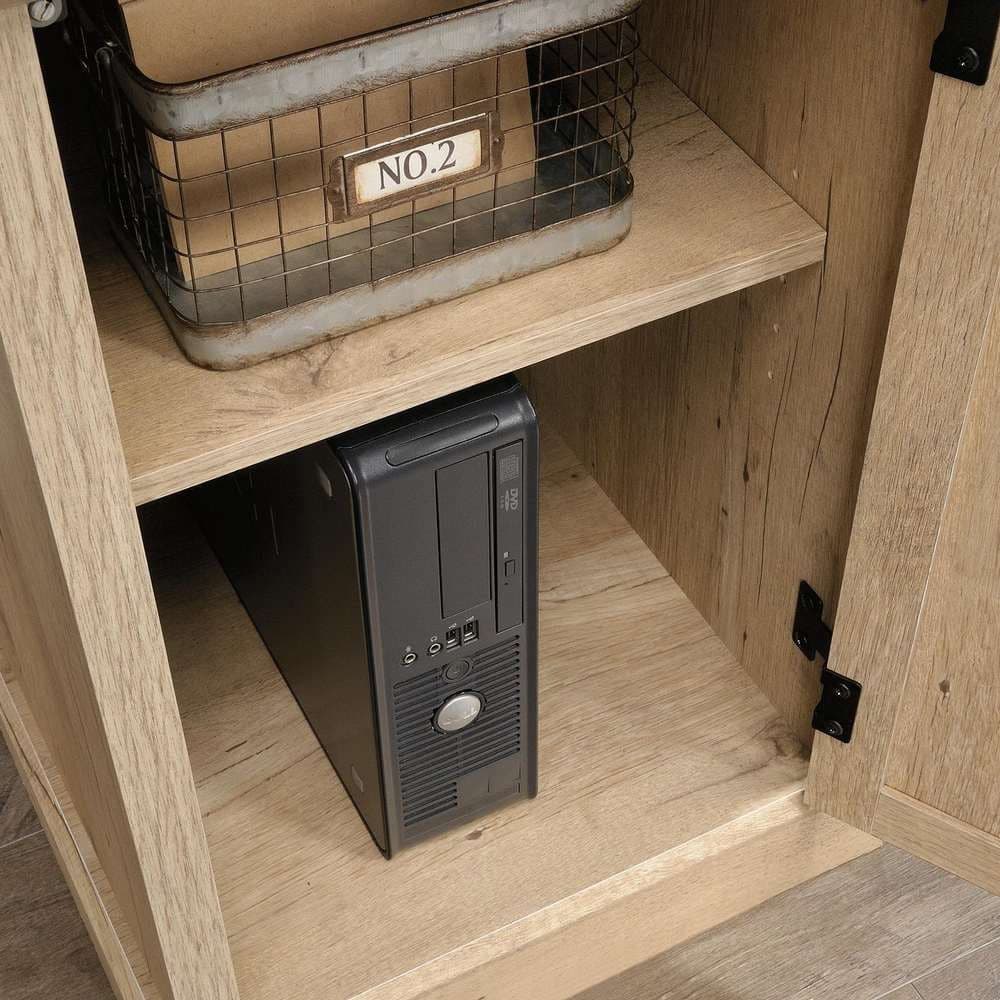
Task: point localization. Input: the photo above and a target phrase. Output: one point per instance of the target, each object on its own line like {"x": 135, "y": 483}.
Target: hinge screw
{"x": 801, "y": 640}
{"x": 833, "y": 728}
{"x": 842, "y": 691}
{"x": 967, "y": 59}
{"x": 44, "y": 12}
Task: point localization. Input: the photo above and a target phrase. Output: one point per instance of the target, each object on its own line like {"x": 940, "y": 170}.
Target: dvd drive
{"x": 508, "y": 476}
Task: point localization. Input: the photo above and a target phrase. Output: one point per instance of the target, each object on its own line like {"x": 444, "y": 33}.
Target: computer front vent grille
{"x": 432, "y": 762}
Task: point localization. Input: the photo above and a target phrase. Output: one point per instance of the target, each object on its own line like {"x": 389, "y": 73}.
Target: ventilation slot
{"x": 431, "y": 763}
{"x": 417, "y": 808}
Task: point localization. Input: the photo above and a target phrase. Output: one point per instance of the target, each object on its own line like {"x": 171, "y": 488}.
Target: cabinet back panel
{"x": 732, "y": 436}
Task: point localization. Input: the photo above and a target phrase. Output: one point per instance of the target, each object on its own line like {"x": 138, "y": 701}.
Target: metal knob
{"x": 458, "y": 712}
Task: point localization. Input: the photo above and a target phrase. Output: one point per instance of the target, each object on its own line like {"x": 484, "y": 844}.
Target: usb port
{"x": 470, "y": 631}
{"x": 451, "y": 637}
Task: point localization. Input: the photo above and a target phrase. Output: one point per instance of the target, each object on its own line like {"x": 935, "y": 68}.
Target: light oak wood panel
{"x": 649, "y": 736}
{"x": 860, "y": 932}
{"x": 904, "y": 993}
{"x": 946, "y": 746}
{"x": 732, "y": 436}
{"x": 708, "y": 222}
{"x": 657, "y": 756}
{"x": 616, "y": 924}
{"x": 81, "y": 615}
{"x": 947, "y": 291}
{"x": 939, "y": 838}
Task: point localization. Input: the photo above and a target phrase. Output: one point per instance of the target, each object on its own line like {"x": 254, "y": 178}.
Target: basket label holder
{"x": 425, "y": 162}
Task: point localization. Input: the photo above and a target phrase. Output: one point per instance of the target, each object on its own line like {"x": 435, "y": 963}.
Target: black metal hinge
{"x": 838, "y": 705}
{"x": 964, "y": 49}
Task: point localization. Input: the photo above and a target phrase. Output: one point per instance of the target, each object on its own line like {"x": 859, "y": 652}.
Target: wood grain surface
{"x": 44, "y": 949}
{"x": 81, "y": 614}
{"x": 947, "y": 293}
{"x": 628, "y": 770}
{"x": 863, "y": 931}
{"x": 314, "y": 910}
{"x": 97, "y": 903}
{"x": 73, "y": 869}
{"x": 940, "y": 838}
{"x": 17, "y": 818}
{"x": 707, "y": 222}
{"x": 946, "y": 746}
{"x": 976, "y": 976}
{"x": 622, "y": 921}
{"x": 732, "y": 436}
{"x": 295, "y": 863}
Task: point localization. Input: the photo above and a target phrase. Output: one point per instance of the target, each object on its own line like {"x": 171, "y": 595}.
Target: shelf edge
{"x": 467, "y": 369}
{"x": 633, "y": 916}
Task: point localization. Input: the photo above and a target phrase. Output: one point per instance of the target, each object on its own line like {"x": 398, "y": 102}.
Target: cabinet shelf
{"x": 670, "y": 793}
{"x": 708, "y": 221}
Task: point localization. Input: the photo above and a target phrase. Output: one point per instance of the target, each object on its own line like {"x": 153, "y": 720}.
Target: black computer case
{"x": 392, "y": 573}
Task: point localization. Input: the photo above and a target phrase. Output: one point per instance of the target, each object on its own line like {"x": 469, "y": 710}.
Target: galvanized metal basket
{"x": 273, "y": 207}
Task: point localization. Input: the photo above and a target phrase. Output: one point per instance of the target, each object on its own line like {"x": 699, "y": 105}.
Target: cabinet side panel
{"x": 80, "y": 609}
{"x": 732, "y": 436}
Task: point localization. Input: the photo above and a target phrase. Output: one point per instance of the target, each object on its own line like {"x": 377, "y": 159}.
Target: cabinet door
{"x": 918, "y": 622}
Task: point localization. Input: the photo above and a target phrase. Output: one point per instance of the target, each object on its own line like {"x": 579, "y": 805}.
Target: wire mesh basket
{"x": 272, "y": 207}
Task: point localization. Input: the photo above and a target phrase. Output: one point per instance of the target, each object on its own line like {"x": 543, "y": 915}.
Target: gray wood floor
{"x": 17, "y": 819}
{"x": 886, "y": 927}
{"x": 45, "y": 953}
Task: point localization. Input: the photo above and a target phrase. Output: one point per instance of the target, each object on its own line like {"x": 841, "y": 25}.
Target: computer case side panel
{"x": 285, "y": 532}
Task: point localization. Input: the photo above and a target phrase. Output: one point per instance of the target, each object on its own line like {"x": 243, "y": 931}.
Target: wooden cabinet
{"x": 719, "y": 423}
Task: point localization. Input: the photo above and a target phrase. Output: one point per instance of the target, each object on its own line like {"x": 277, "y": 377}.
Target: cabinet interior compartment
{"x": 704, "y": 391}
{"x": 660, "y": 761}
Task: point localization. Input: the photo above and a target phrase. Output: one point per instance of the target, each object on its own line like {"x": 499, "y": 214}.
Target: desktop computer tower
{"x": 392, "y": 573}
